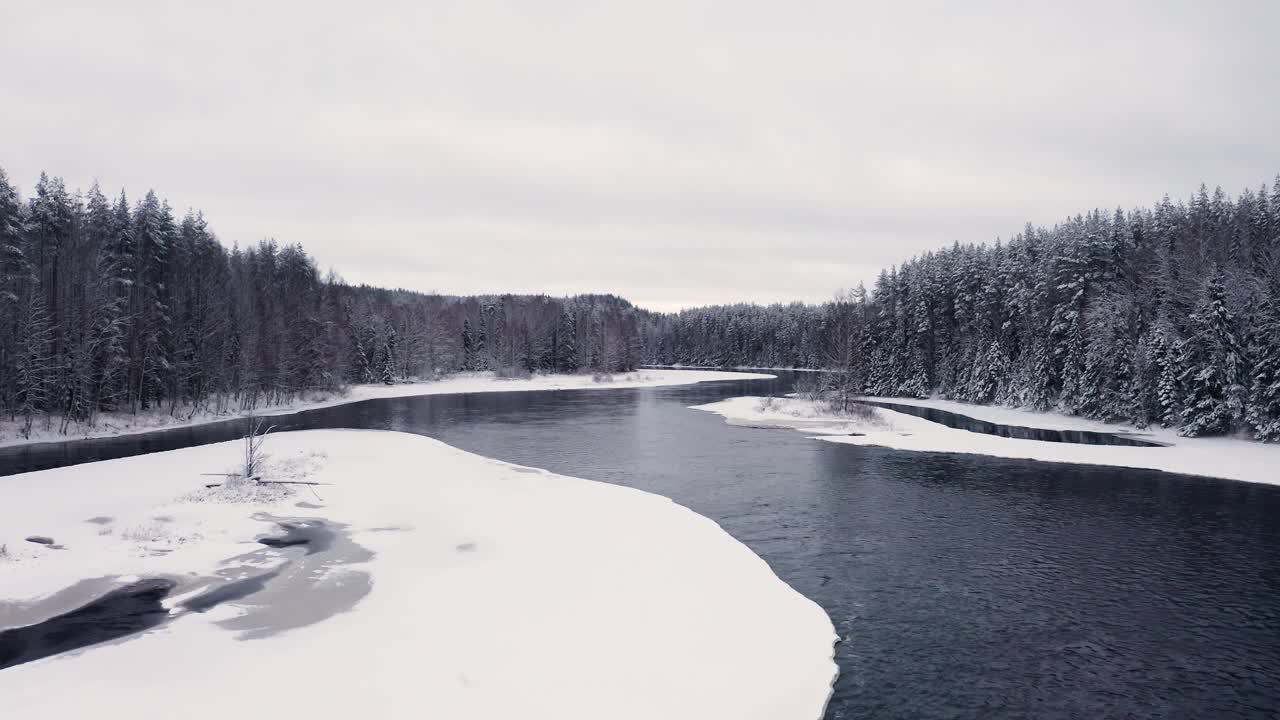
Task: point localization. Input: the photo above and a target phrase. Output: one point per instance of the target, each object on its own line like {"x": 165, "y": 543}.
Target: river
{"x": 961, "y": 586}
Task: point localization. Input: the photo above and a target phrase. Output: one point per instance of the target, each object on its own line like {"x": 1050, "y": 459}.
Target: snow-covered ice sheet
{"x": 1229, "y": 458}
{"x": 497, "y": 591}
{"x": 114, "y": 424}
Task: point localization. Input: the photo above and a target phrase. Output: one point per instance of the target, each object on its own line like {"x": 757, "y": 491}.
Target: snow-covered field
{"x": 1230, "y": 458}
{"x": 457, "y": 587}
{"x": 126, "y": 423}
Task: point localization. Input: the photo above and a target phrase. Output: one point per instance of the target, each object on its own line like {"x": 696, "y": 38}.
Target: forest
{"x": 1168, "y": 315}
{"x": 108, "y": 305}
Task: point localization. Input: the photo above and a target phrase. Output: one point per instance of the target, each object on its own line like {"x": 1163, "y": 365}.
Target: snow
{"x": 460, "y": 587}
{"x": 796, "y": 413}
{"x": 1023, "y": 417}
{"x": 113, "y": 424}
{"x": 1228, "y": 458}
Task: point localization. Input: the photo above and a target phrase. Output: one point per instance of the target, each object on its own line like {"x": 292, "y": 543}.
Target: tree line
{"x": 1167, "y": 315}
{"x": 108, "y": 305}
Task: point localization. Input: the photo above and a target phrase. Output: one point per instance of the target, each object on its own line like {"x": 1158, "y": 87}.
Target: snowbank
{"x": 1030, "y": 418}
{"x": 480, "y": 590}
{"x": 113, "y": 424}
{"x": 1228, "y": 458}
{"x": 795, "y": 413}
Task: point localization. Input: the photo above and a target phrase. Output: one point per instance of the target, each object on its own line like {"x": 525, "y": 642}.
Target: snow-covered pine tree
{"x": 990, "y": 370}
{"x": 15, "y": 277}
{"x": 387, "y": 361}
{"x": 1211, "y": 360}
{"x": 1263, "y": 413}
{"x": 1169, "y": 370}
{"x": 107, "y": 322}
{"x": 567, "y": 332}
{"x": 468, "y": 346}
{"x": 34, "y": 365}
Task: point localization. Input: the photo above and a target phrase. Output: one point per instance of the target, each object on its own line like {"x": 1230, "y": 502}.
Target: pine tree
{"x": 468, "y": 346}
{"x": 14, "y": 267}
{"x": 152, "y": 231}
{"x": 34, "y": 368}
{"x": 1263, "y": 412}
{"x": 1040, "y": 394}
{"x": 1211, "y": 361}
{"x": 15, "y": 278}
{"x": 387, "y": 364}
{"x": 990, "y": 370}
{"x": 1169, "y": 371}
{"x": 567, "y": 332}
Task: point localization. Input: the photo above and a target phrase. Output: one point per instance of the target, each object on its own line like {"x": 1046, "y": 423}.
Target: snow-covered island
{"x": 1221, "y": 457}
{"x": 114, "y": 424}
{"x": 433, "y": 582}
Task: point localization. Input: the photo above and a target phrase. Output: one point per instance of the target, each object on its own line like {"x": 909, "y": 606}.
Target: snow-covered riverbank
{"x": 458, "y": 587}
{"x": 113, "y": 424}
{"x": 1229, "y": 458}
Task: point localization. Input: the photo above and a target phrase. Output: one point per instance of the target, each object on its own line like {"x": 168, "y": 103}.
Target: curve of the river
{"x": 961, "y": 585}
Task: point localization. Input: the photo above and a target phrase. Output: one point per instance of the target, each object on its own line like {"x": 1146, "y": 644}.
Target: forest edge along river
{"x": 960, "y": 585}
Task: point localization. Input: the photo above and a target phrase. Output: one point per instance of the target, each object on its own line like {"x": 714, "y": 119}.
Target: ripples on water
{"x": 963, "y": 586}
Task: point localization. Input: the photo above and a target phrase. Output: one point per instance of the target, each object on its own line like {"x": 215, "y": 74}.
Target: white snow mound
{"x": 497, "y": 592}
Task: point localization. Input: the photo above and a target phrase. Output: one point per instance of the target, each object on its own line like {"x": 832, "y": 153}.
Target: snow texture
{"x": 481, "y": 590}
{"x": 1229, "y": 458}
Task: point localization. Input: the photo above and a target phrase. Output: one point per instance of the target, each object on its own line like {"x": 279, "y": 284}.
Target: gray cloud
{"x": 673, "y": 152}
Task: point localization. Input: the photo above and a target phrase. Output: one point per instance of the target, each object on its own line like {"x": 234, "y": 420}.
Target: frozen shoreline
{"x": 1226, "y": 458}
{"x": 118, "y": 424}
{"x": 491, "y": 590}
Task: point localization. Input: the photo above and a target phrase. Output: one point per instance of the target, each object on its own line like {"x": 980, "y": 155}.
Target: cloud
{"x": 672, "y": 152}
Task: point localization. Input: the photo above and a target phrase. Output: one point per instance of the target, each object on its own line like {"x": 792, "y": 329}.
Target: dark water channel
{"x": 964, "y": 422}
{"x": 962, "y": 586}
{"x": 119, "y": 613}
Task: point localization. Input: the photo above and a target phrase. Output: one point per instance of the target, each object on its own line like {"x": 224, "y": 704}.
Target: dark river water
{"x": 961, "y": 586}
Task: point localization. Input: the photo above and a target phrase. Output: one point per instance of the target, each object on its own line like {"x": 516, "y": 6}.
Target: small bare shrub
{"x": 601, "y": 378}
{"x": 254, "y": 439}
{"x": 767, "y": 404}
{"x": 4, "y": 553}
{"x": 864, "y": 415}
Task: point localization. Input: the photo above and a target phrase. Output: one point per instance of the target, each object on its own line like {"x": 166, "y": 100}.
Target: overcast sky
{"x": 676, "y": 153}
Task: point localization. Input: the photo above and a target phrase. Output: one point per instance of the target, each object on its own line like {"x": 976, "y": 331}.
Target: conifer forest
{"x": 1168, "y": 315}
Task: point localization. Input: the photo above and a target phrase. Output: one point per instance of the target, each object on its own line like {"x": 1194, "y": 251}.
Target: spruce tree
{"x": 1263, "y": 412}
{"x": 1211, "y": 360}
{"x": 468, "y": 346}
{"x": 567, "y": 333}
